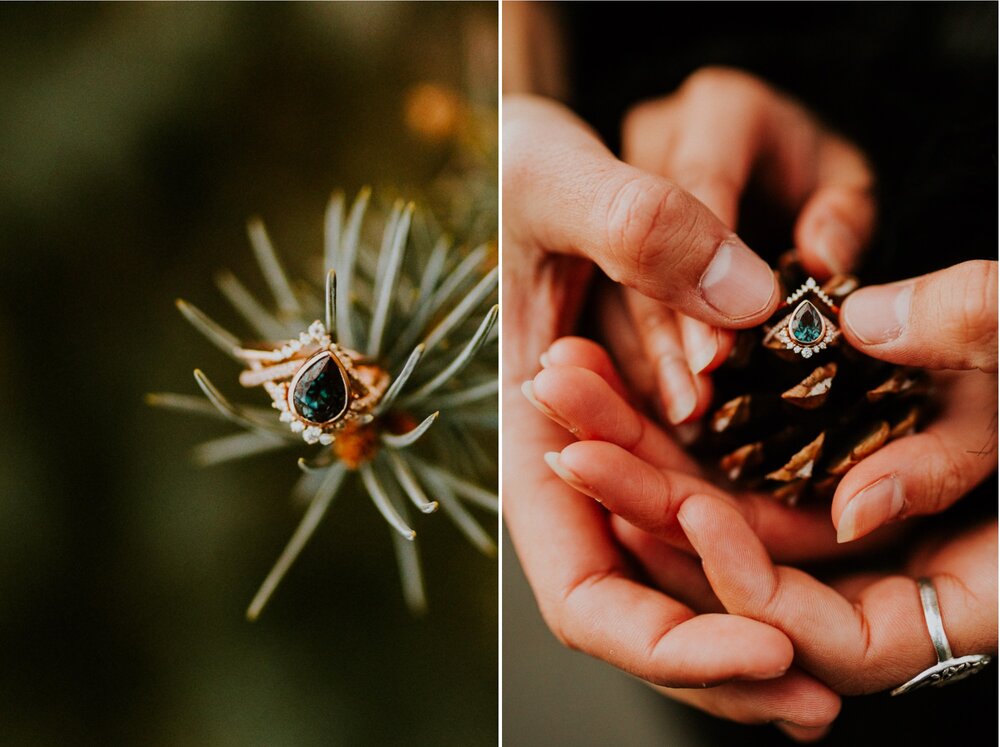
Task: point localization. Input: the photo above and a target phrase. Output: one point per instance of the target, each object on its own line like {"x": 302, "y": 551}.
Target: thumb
{"x": 565, "y": 192}
{"x": 947, "y": 319}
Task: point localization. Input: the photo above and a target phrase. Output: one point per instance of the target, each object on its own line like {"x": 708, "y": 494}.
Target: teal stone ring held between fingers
{"x": 318, "y": 386}
{"x": 807, "y": 330}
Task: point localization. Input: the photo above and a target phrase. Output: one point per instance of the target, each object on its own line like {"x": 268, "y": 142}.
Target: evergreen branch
{"x": 239, "y": 415}
{"x": 461, "y": 518}
{"x": 333, "y": 223}
{"x": 473, "y": 298}
{"x": 464, "y": 396}
{"x": 473, "y": 493}
{"x": 345, "y": 266}
{"x": 410, "y": 437}
{"x": 213, "y": 332}
{"x": 455, "y": 279}
{"x": 400, "y": 381}
{"x": 461, "y": 360}
{"x": 236, "y": 446}
{"x": 330, "y": 305}
{"x": 385, "y": 281}
{"x": 382, "y": 502}
{"x": 409, "y": 483}
{"x": 272, "y": 270}
{"x": 248, "y": 307}
{"x": 314, "y": 514}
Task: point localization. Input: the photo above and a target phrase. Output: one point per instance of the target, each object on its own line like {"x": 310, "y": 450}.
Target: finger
{"x": 649, "y": 498}
{"x": 674, "y": 572}
{"x": 836, "y": 222}
{"x": 584, "y": 353}
{"x": 853, "y": 586}
{"x": 618, "y": 330}
{"x": 572, "y": 196}
{"x": 927, "y": 472}
{"x": 795, "y": 699}
{"x": 585, "y": 594}
{"x": 706, "y": 138}
{"x": 587, "y": 406}
{"x": 968, "y": 560}
{"x": 880, "y": 641}
{"x": 705, "y": 346}
{"x": 947, "y": 319}
{"x": 660, "y": 337}
{"x": 723, "y": 125}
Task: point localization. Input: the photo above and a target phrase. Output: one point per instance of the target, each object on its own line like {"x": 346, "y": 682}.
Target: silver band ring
{"x": 948, "y": 668}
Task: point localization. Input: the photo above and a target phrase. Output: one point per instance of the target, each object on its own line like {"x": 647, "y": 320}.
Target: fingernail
{"x": 872, "y": 507}
{"x": 738, "y": 283}
{"x": 545, "y": 360}
{"x": 678, "y": 386}
{"x": 528, "y": 390}
{"x": 552, "y": 459}
{"x": 701, "y": 343}
{"x": 688, "y": 433}
{"x": 878, "y": 314}
{"x": 836, "y": 244}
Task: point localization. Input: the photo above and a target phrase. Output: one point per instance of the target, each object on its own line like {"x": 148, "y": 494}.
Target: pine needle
{"x": 314, "y": 514}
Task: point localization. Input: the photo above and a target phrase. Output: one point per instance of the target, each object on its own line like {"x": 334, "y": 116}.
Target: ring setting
{"x": 808, "y": 329}
{"x": 318, "y": 386}
{"x": 949, "y": 668}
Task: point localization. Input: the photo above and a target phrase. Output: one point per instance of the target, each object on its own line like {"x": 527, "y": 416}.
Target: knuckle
{"x": 718, "y": 80}
{"x": 557, "y": 611}
{"x": 769, "y": 596}
{"x": 653, "y": 317}
{"x": 946, "y": 479}
{"x": 666, "y": 492}
{"x": 976, "y": 319}
{"x": 647, "y": 219}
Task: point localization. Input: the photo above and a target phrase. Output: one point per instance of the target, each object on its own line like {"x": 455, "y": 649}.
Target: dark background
{"x": 915, "y": 85}
{"x": 135, "y": 141}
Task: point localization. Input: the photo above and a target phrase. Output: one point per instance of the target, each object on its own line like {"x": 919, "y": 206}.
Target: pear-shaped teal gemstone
{"x": 320, "y": 394}
{"x": 806, "y": 325}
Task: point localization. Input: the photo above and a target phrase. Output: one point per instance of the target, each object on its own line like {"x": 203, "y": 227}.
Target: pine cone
{"x": 796, "y": 407}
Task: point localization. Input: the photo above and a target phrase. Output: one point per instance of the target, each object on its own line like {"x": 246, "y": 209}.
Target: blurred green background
{"x": 135, "y": 141}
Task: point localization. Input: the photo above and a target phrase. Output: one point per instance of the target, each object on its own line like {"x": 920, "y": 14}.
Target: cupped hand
{"x": 718, "y": 132}
{"x": 635, "y": 468}
{"x": 569, "y": 204}
{"x": 623, "y": 456}
{"x": 948, "y": 321}
{"x": 863, "y": 634}
{"x": 870, "y": 635}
